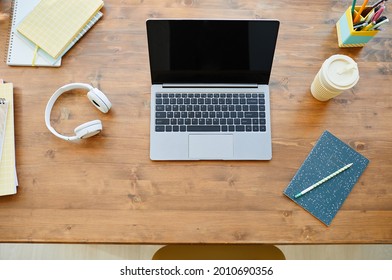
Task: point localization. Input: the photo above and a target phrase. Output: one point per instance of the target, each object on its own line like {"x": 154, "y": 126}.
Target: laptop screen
{"x": 211, "y": 51}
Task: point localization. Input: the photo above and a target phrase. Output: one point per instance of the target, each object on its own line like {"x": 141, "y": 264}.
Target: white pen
{"x": 378, "y": 24}
{"x": 323, "y": 180}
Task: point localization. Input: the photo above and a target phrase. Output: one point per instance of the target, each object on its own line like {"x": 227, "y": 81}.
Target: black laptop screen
{"x": 211, "y": 51}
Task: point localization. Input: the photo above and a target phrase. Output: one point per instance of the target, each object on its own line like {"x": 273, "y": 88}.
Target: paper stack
{"x": 8, "y": 179}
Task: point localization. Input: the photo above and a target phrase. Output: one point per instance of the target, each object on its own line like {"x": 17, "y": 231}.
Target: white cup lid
{"x": 341, "y": 71}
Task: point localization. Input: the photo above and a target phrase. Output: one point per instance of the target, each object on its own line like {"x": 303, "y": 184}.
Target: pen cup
{"x": 347, "y": 36}
{"x": 337, "y": 74}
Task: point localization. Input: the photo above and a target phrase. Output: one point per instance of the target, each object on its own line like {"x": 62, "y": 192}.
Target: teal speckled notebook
{"x": 327, "y": 156}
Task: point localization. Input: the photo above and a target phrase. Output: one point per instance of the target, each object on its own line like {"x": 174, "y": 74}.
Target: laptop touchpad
{"x": 210, "y": 146}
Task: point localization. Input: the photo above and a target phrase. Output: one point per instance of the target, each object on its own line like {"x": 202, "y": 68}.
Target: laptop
{"x": 210, "y": 98}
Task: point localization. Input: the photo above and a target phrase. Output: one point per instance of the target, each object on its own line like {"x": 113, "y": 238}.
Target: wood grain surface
{"x": 106, "y": 189}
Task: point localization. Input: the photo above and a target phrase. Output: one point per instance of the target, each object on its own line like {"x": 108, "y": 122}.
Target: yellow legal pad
{"x": 8, "y": 181}
{"x": 53, "y": 24}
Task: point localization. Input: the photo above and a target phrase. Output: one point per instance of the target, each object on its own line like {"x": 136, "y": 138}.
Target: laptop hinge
{"x": 209, "y": 85}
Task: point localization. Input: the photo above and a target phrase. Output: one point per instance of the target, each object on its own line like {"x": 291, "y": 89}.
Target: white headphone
{"x": 88, "y": 129}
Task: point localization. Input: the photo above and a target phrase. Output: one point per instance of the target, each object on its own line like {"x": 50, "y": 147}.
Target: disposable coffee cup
{"x": 337, "y": 74}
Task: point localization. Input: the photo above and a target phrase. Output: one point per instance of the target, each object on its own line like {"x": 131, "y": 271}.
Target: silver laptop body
{"x": 204, "y": 103}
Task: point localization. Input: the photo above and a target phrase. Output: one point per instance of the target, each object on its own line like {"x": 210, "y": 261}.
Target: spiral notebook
{"x": 8, "y": 179}
{"x": 327, "y": 156}
{"x": 21, "y": 51}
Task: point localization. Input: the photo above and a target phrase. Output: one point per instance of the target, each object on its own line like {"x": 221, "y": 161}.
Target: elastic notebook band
{"x": 35, "y": 55}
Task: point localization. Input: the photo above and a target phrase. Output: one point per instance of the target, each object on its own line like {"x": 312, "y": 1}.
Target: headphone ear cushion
{"x": 88, "y": 129}
{"x": 99, "y": 100}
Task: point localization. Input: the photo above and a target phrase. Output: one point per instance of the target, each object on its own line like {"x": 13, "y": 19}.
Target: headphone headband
{"x": 75, "y": 86}
{"x": 87, "y": 129}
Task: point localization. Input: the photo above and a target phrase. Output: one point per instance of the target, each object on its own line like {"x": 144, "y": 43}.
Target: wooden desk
{"x": 106, "y": 189}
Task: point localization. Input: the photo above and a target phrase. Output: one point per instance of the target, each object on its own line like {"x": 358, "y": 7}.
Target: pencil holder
{"x": 347, "y": 36}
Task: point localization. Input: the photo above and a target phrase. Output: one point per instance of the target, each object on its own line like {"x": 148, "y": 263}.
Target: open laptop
{"x": 210, "y": 97}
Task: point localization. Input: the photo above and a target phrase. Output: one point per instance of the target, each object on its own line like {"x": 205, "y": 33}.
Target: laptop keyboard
{"x": 210, "y": 112}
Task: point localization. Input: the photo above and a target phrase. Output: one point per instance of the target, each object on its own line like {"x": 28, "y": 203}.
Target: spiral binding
{"x": 2, "y": 101}
{"x": 8, "y": 48}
